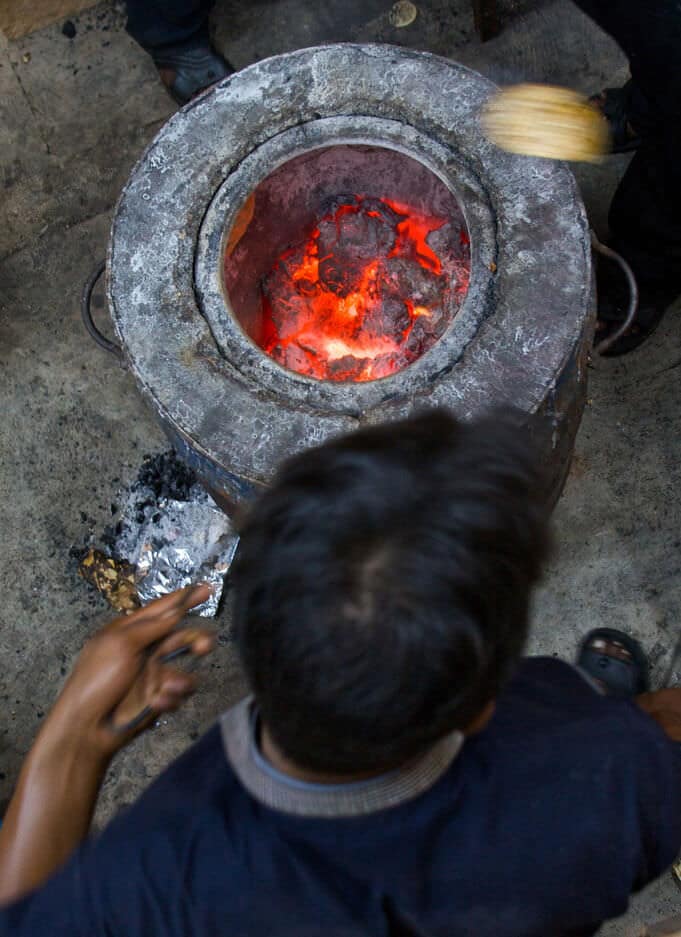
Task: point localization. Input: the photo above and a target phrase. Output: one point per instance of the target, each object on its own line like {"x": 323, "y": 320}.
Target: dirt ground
{"x": 75, "y": 114}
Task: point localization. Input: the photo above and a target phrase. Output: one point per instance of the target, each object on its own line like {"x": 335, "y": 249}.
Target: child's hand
{"x": 664, "y": 706}
{"x": 115, "y": 676}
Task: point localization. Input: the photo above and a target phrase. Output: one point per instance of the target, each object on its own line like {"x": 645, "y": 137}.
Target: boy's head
{"x": 382, "y": 587}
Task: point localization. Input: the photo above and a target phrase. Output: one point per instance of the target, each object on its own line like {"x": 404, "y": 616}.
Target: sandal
{"x": 616, "y": 661}
{"x": 186, "y": 71}
{"x": 615, "y": 106}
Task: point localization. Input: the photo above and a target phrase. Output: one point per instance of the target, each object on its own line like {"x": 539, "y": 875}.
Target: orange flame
{"x": 368, "y": 333}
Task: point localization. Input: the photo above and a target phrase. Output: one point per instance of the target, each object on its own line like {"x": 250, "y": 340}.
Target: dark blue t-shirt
{"x": 541, "y": 826}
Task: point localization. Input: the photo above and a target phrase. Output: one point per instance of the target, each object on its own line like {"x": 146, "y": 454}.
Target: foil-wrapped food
{"x": 182, "y": 543}
{"x": 170, "y": 533}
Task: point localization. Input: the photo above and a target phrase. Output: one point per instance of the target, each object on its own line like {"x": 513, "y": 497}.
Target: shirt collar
{"x": 356, "y": 798}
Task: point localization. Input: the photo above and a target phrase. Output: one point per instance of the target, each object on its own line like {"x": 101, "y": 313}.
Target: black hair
{"x": 382, "y": 586}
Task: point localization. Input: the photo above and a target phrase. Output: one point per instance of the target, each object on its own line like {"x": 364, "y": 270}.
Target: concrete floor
{"x": 74, "y": 116}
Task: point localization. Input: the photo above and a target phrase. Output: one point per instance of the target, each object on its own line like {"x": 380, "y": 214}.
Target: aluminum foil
{"x": 178, "y": 543}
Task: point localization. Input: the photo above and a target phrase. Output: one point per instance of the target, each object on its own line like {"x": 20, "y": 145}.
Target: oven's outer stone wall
{"x": 522, "y": 335}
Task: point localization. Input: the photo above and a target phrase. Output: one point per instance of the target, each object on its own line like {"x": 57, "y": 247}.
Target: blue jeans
{"x": 156, "y": 23}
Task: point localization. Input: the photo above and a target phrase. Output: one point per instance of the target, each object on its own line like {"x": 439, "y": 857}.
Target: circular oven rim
{"x": 355, "y": 130}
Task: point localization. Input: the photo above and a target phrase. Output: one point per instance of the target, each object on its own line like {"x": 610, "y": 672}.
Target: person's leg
{"x": 649, "y": 33}
{"x": 646, "y": 211}
{"x": 175, "y": 34}
{"x": 153, "y": 23}
{"x": 645, "y": 215}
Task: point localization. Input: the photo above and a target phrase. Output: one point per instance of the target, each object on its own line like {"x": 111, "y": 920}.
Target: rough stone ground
{"x": 74, "y": 116}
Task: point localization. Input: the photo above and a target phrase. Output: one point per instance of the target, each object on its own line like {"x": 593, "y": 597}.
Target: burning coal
{"x": 368, "y": 292}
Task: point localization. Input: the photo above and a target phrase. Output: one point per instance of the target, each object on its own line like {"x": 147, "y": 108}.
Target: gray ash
{"x": 160, "y": 477}
{"x": 166, "y": 476}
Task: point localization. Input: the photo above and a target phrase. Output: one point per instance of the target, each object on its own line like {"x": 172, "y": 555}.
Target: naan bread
{"x": 542, "y": 120}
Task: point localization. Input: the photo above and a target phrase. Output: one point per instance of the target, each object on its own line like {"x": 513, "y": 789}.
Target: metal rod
{"x": 145, "y": 713}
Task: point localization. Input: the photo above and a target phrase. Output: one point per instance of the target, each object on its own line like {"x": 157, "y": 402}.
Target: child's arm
{"x": 55, "y": 797}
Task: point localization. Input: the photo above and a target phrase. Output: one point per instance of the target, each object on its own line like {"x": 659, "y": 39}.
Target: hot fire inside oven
{"x": 347, "y": 263}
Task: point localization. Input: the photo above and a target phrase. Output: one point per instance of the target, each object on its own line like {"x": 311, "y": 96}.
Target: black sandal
{"x": 188, "y": 70}
{"x": 615, "y": 105}
{"x": 620, "y": 677}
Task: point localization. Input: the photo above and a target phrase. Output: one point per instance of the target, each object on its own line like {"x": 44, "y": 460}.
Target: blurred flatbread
{"x": 543, "y": 120}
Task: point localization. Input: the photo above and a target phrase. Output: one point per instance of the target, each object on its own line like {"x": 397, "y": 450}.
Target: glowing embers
{"x": 368, "y": 292}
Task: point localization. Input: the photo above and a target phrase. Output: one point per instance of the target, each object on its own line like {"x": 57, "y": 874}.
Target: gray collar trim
{"x": 357, "y": 798}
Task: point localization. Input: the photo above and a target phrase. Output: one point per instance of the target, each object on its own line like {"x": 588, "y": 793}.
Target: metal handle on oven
{"x": 596, "y": 245}
{"x": 86, "y": 314}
